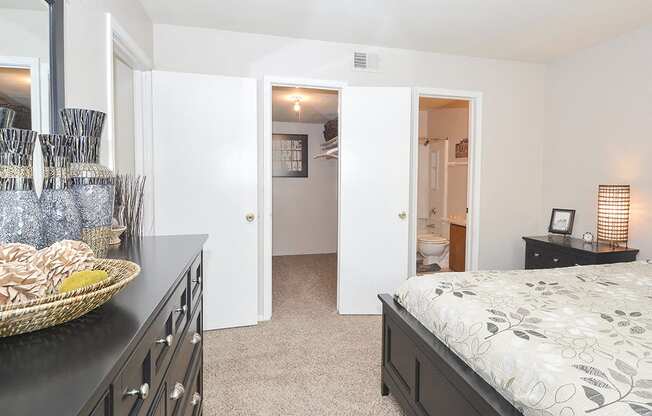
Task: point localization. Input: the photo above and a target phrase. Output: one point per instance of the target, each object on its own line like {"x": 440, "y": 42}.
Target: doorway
{"x": 305, "y": 169}
{"x": 445, "y": 198}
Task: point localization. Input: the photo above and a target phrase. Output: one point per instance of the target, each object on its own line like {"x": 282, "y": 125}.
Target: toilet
{"x": 434, "y": 249}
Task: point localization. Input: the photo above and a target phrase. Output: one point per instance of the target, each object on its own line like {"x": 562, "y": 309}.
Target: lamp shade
{"x": 613, "y": 213}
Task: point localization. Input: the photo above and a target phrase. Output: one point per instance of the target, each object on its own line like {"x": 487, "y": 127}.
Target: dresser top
{"x": 56, "y": 371}
{"x": 579, "y": 244}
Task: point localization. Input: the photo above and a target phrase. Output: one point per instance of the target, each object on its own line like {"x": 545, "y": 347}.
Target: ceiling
{"x": 426, "y": 103}
{"x": 317, "y": 106}
{"x": 527, "y": 30}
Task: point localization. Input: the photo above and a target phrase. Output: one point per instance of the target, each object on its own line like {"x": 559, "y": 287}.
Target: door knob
{"x": 250, "y": 217}
{"x": 402, "y": 215}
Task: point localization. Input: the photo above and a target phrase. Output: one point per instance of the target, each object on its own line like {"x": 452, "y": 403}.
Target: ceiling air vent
{"x": 363, "y": 61}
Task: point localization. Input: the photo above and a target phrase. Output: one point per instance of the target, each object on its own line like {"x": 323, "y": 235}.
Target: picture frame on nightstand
{"x": 561, "y": 221}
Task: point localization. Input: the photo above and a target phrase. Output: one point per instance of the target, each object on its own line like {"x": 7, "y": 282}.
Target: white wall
{"x": 599, "y": 131}
{"x": 305, "y": 209}
{"x": 87, "y": 49}
{"x": 513, "y": 114}
{"x": 24, "y": 33}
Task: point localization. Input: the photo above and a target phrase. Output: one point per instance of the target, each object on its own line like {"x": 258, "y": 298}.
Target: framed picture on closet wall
{"x": 290, "y": 155}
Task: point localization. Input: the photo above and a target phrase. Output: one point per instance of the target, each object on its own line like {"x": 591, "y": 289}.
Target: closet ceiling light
{"x": 297, "y": 103}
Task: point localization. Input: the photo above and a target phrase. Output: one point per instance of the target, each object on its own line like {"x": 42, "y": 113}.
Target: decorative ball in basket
{"x": 47, "y": 287}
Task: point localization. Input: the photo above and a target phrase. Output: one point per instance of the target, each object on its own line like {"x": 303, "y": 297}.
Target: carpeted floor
{"x": 307, "y": 360}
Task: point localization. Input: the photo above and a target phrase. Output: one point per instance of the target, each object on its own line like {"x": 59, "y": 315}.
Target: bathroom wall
{"x": 305, "y": 209}
{"x": 454, "y": 124}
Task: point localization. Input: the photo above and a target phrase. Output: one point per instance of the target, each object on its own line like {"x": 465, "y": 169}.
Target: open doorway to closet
{"x": 305, "y": 151}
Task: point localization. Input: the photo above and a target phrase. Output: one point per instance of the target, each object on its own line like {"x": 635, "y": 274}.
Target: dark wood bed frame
{"x": 426, "y": 377}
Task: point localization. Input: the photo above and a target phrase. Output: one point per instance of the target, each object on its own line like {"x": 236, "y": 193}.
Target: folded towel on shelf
{"x": 330, "y": 144}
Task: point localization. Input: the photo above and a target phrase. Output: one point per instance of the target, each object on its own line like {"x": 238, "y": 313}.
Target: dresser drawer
{"x": 103, "y": 407}
{"x": 195, "y": 394}
{"x": 165, "y": 333}
{"x": 158, "y": 408}
{"x": 195, "y": 284}
{"x": 133, "y": 388}
{"x": 179, "y": 378}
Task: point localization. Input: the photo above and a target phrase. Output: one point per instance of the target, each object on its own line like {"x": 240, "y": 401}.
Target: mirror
{"x": 31, "y": 63}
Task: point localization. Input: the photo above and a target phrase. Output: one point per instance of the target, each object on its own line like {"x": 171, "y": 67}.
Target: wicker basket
{"x": 56, "y": 309}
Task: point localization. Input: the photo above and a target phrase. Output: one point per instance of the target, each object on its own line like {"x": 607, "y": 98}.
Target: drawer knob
{"x": 537, "y": 254}
{"x": 142, "y": 391}
{"x": 197, "y": 280}
{"x": 196, "y": 338}
{"x": 177, "y": 391}
{"x": 555, "y": 259}
{"x": 167, "y": 340}
{"x": 196, "y": 399}
{"x": 182, "y": 309}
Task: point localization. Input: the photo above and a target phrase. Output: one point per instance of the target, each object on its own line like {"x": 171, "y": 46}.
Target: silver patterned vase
{"x": 20, "y": 215}
{"x": 92, "y": 185}
{"x": 6, "y": 117}
{"x": 61, "y": 219}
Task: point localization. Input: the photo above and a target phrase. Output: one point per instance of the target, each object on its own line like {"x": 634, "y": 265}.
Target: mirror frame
{"x": 57, "y": 74}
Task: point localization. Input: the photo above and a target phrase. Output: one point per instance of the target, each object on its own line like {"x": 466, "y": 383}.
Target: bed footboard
{"x": 428, "y": 379}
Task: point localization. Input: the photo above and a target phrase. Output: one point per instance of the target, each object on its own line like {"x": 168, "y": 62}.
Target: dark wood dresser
{"x": 551, "y": 251}
{"x": 140, "y": 354}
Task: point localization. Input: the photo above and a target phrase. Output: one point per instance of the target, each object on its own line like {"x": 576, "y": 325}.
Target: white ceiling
{"x": 528, "y": 30}
{"x": 317, "y": 106}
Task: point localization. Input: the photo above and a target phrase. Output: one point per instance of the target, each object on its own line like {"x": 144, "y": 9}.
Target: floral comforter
{"x": 561, "y": 342}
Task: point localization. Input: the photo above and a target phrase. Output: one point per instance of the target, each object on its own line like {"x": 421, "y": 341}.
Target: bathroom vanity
{"x": 139, "y": 354}
{"x": 457, "y": 260}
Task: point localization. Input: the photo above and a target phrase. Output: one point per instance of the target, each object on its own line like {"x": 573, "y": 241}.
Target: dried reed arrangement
{"x": 129, "y": 194}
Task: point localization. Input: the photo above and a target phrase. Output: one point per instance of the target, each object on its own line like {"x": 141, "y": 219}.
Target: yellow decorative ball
{"x": 81, "y": 279}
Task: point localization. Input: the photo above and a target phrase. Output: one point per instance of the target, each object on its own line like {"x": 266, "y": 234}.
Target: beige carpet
{"x": 307, "y": 360}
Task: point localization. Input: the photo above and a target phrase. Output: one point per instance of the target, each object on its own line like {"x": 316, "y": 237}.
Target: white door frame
{"x": 120, "y": 43}
{"x": 473, "y": 187}
{"x": 265, "y": 177}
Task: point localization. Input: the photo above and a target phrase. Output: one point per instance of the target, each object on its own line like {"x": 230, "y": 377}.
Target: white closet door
{"x": 205, "y": 164}
{"x": 374, "y": 195}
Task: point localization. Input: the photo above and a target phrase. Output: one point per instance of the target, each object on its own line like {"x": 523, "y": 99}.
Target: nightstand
{"x": 551, "y": 251}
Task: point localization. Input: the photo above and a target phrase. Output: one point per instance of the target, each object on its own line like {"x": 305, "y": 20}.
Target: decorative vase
{"x": 20, "y": 215}
{"x": 82, "y": 122}
{"x": 92, "y": 185}
{"x": 6, "y": 117}
{"x": 61, "y": 219}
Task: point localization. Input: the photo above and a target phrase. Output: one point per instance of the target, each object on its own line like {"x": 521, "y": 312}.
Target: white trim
{"x": 119, "y": 43}
{"x": 265, "y": 167}
{"x": 474, "y": 163}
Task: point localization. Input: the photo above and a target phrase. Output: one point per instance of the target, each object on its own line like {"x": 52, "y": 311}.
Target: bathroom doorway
{"x": 305, "y": 170}
{"x": 442, "y": 183}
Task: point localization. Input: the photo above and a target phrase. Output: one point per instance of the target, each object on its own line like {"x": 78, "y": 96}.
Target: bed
{"x": 563, "y": 342}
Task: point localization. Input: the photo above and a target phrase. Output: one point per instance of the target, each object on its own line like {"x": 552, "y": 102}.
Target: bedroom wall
{"x": 305, "y": 209}
{"x": 512, "y": 113}
{"x": 599, "y": 130}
